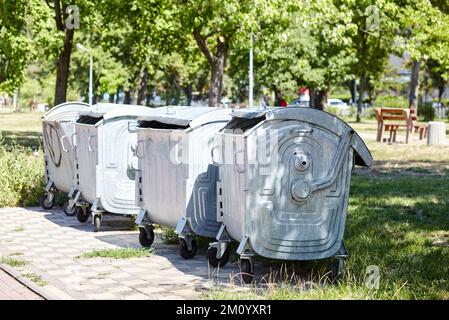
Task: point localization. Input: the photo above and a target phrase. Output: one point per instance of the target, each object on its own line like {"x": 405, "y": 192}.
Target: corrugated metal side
{"x": 202, "y": 181}
{"x": 163, "y": 180}
{"x": 116, "y": 179}
{"x": 233, "y": 181}
{"x": 59, "y": 163}
{"x": 87, "y": 141}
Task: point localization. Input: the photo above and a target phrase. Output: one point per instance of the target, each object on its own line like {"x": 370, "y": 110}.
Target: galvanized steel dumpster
{"x": 58, "y": 126}
{"x": 284, "y": 185}
{"x": 106, "y": 161}
{"x": 177, "y": 179}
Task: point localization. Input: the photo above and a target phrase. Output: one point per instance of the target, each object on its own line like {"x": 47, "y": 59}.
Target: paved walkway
{"x": 49, "y": 243}
{"x": 11, "y": 289}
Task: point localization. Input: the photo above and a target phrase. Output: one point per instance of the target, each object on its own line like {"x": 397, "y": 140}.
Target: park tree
{"x": 424, "y": 35}
{"x": 218, "y": 26}
{"x": 25, "y": 27}
{"x": 68, "y": 16}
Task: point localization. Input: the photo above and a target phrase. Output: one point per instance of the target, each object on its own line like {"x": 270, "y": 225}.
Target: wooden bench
{"x": 416, "y": 126}
{"x": 400, "y": 117}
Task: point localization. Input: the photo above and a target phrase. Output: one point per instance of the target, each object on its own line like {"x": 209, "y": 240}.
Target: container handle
{"x": 62, "y": 144}
{"x": 89, "y": 146}
{"x": 72, "y": 138}
{"x": 215, "y": 163}
{"x": 337, "y": 162}
{"x": 137, "y": 152}
{"x": 240, "y": 168}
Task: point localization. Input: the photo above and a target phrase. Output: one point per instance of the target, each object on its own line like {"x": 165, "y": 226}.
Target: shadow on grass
{"x": 30, "y": 139}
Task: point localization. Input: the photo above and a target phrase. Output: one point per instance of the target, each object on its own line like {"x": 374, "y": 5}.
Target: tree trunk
{"x": 217, "y": 72}
{"x": 414, "y": 85}
{"x": 440, "y": 92}
{"x": 217, "y": 63}
{"x": 143, "y": 86}
{"x": 277, "y": 97}
{"x": 318, "y": 99}
{"x": 188, "y": 92}
{"x": 361, "y": 94}
{"x": 127, "y": 99}
{"x": 111, "y": 98}
{"x": 352, "y": 85}
{"x": 63, "y": 68}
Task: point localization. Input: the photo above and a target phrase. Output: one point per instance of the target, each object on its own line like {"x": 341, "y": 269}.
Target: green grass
{"x": 37, "y": 279}
{"x": 13, "y": 262}
{"x": 120, "y": 253}
{"x": 23, "y": 128}
{"x": 399, "y": 224}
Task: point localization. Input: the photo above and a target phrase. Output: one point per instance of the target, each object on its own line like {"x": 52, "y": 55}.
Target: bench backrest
{"x": 393, "y": 114}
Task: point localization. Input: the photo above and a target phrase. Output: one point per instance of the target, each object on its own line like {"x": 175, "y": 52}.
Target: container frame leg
{"x": 341, "y": 256}
{"x": 185, "y": 232}
{"x": 222, "y": 243}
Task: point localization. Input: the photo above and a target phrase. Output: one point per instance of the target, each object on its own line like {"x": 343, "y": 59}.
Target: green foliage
{"x": 426, "y": 112}
{"x": 21, "y": 176}
{"x": 25, "y": 27}
{"x": 169, "y": 236}
{"x": 37, "y": 279}
{"x": 391, "y": 102}
{"x": 13, "y": 262}
{"x": 120, "y": 253}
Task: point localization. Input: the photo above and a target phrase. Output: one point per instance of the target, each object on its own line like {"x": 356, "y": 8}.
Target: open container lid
{"x": 108, "y": 111}
{"x": 68, "y": 111}
{"x": 184, "y": 117}
{"x": 314, "y": 117}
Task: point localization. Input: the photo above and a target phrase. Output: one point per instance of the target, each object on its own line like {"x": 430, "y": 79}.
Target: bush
{"x": 21, "y": 176}
{"x": 391, "y": 102}
{"x": 426, "y": 112}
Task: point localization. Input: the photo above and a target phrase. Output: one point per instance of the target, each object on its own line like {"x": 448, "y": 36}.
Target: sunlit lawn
{"x": 25, "y": 128}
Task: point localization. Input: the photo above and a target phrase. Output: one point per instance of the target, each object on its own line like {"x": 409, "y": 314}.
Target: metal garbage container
{"x": 176, "y": 177}
{"x": 58, "y": 127}
{"x": 284, "y": 185}
{"x": 106, "y": 161}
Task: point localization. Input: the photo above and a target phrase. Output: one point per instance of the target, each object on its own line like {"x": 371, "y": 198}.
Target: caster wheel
{"x": 184, "y": 250}
{"x": 246, "y": 270}
{"x": 146, "y": 239}
{"x": 81, "y": 215}
{"x": 45, "y": 203}
{"x": 69, "y": 212}
{"x": 212, "y": 257}
{"x": 97, "y": 223}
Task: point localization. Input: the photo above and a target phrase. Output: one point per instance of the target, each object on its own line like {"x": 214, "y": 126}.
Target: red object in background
{"x": 283, "y": 103}
{"x": 303, "y": 90}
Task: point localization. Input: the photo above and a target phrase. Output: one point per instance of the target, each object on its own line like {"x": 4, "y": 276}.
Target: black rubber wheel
{"x": 185, "y": 252}
{"x": 80, "y": 215}
{"x": 212, "y": 257}
{"x": 68, "y": 212}
{"x": 45, "y": 204}
{"x": 97, "y": 223}
{"x": 145, "y": 239}
{"x": 246, "y": 270}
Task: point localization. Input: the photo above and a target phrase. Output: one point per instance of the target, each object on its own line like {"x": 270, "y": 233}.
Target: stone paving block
{"x": 52, "y": 242}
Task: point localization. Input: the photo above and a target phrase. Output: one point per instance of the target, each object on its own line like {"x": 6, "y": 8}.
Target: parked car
{"x": 300, "y": 102}
{"x": 341, "y": 108}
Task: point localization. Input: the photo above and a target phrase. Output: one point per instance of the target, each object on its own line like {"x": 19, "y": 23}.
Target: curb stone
{"x": 27, "y": 283}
